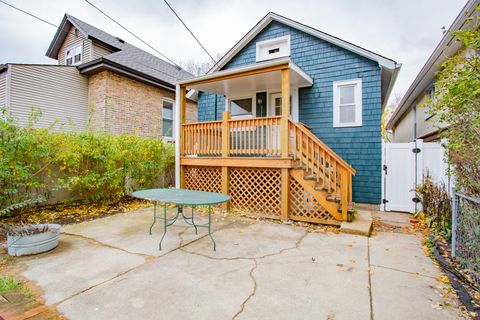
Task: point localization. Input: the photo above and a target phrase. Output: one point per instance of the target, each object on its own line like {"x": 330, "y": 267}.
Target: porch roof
{"x": 262, "y": 76}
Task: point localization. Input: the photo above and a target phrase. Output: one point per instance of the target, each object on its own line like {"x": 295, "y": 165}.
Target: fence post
{"x": 454, "y": 222}
{"x": 225, "y": 153}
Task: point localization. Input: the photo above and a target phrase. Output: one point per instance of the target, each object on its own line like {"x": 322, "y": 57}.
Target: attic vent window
{"x": 273, "y": 48}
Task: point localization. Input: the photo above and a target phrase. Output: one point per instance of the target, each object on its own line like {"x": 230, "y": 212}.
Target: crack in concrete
{"x": 403, "y": 271}
{"x": 296, "y": 246}
{"x": 298, "y": 243}
{"x": 148, "y": 259}
{"x": 92, "y": 240}
{"x": 242, "y": 306}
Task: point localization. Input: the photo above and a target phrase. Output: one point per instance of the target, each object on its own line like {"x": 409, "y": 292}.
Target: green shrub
{"x": 94, "y": 166}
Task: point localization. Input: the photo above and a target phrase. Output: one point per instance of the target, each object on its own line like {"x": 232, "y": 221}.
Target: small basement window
{"x": 73, "y": 55}
{"x": 167, "y": 118}
{"x": 347, "y": 103}
{"x": 273, "y": 48}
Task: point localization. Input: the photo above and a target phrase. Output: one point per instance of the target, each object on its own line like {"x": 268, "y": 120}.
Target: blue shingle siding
{"x": 326, "y": 63}
{"x": 206, "y": 106}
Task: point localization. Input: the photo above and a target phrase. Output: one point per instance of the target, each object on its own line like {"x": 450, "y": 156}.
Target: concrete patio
{"x": 111, "y": 268}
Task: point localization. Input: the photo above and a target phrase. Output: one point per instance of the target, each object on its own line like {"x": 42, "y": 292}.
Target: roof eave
{"x": 382, "y": 61}
{"x": 428, "y": 69}
{"x": 102, "y": 64}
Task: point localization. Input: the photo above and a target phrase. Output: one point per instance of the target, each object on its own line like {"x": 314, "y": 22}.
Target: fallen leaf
{"x": 353, "y": 261}
{"x": 349, "y": 245}
{"x": 443, "y": 279}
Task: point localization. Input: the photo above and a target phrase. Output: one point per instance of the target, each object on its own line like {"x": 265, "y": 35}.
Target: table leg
{"x": 164, "y": 225}
{"x": 154, "y": 216}
{"x": 193, "y": 222}
{"x": 209, "y": 229}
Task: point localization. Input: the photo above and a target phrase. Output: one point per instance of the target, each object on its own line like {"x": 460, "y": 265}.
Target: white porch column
{"x": 176, "y": 131}
{"x": 227, "y": 104}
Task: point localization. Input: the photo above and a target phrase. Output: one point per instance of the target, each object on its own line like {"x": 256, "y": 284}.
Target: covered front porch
{"x": 258, "y": 152}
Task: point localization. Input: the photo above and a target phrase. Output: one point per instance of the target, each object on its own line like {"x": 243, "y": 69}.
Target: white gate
{"x": 405, "y": 164}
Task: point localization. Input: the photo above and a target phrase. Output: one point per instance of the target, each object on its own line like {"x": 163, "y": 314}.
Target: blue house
{"x": 290, "y": 123}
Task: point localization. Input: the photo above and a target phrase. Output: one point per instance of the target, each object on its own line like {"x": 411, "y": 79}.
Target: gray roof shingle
{"x": 130, "y": 56}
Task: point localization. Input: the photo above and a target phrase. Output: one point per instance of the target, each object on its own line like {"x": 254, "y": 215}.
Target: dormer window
{"x": 273, "y": 48}
{"x": 73, "y": 55}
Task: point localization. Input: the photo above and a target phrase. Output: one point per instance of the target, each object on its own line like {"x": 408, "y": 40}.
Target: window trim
{"x": 242, "y": 97}
{"x": 172, "y": 101}
{"x": 357, "y": 100}
{"x": 80, "y": 44}
{"x": 265, "y": 43}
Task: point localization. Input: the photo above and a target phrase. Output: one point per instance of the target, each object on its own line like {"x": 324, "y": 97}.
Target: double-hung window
{"x": 347, "y": 103}
{"x": 73, "y": 55}
{"x": 167, "y": 118}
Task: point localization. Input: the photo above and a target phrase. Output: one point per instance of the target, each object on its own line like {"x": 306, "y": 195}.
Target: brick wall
{"x": 326, "y": 63}
{"x": 121, "y": 105}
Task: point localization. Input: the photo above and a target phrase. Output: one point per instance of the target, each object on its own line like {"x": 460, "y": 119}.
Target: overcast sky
{"x": 406, "y": 31}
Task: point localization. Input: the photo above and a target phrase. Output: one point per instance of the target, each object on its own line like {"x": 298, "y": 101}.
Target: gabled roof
{"x": 125, "y": 55}
{"x": 447, "y": 48}
{"x": 271, "y": 16}
{"x": 389, "y": 67}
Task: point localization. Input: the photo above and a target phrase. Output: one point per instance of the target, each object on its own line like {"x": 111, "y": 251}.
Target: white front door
{"x": 275, "y": 105}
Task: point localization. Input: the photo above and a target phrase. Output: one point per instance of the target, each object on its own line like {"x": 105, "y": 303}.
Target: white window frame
{"x": 282, "y": 43}
{"x": 357, "y": 99}
{"x": 73, "y": 57}
{"x": 167, "y": 138}
{"x": 254, "y": 106}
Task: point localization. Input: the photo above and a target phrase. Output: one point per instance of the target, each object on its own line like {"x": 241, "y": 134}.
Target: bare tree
{"x": 198, "y": 67}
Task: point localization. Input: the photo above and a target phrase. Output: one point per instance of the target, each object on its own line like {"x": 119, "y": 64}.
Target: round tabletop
{"x": 182, "y": 197}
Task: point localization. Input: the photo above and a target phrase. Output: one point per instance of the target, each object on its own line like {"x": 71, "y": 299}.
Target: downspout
{"x": 176, "y": 129}
{"x": 416, "y": 153}
{"x": 216, "y": 100}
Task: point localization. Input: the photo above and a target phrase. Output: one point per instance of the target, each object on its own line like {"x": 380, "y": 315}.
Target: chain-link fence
{"x": 466, "y": 234}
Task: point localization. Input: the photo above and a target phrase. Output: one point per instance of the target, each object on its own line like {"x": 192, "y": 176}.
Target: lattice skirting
{"x": 304, "y": 207}
{"x": 203, "y": 178}
{"x": 256, "y": 190}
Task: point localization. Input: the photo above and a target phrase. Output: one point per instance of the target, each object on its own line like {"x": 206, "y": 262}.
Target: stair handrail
{"x": 327, "y": 149}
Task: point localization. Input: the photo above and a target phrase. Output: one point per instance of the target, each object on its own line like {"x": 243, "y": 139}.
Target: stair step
{"x": 299, "y": 166}
{"x": 333, "y": 197}
{"x": 310, "y": 177}
{"x": 350, "y": 208}
{"x": 321, "y": 187}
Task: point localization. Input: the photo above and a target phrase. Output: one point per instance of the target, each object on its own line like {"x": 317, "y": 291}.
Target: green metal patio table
{"x": 181, "y": 198}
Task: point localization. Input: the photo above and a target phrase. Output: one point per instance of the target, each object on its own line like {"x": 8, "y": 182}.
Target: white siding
{"x": 59, "y": 91}
{"x": 3, "y": 89}
{"x": 99, "y": 51}
{"x": 70, "y": 41}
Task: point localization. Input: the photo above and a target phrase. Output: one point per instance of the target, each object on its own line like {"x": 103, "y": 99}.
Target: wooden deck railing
{"x": 332, "y": 172}
{"x": 202, "y": 138}
{"x": 255, "y": 137}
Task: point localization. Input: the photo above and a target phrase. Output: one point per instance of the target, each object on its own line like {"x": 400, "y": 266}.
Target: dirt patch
{"x": 23, "y": 302}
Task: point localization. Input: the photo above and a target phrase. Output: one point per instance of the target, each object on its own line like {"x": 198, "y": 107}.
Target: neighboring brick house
{"x": 100, "y": 83}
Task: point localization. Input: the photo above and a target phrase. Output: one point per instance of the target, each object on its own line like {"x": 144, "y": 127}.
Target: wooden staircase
{"x": 321, "y": 172}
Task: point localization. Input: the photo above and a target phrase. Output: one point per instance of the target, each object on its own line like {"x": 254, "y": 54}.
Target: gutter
{"x": 101, "y": 64}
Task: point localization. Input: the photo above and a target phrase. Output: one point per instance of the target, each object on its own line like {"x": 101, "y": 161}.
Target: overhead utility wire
{"x": 133, "y": 34}
{"x": 28, "y": 13}
{"x": 176, "y": 14}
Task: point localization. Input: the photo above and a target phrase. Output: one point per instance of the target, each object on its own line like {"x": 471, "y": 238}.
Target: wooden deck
{"x": 271, "y": 166}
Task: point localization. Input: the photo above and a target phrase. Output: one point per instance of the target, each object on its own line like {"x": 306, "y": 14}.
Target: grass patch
{"x": 8, "y": 284}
